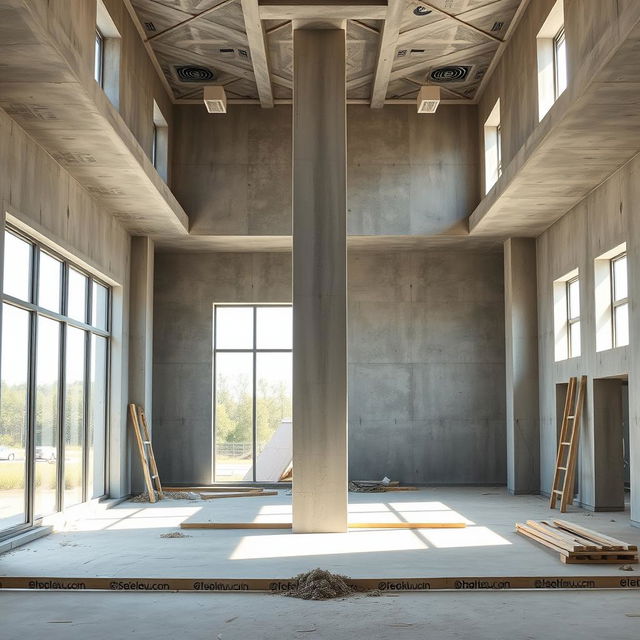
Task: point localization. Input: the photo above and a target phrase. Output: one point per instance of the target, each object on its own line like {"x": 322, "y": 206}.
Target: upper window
{"x": 492, "y": 148}
{"x": 552, "y": 59}
{"x": 106, "y": 65}
{"x": 98, "y": 61}
{"x": 566, "y": 314}
{"x": 619, "y": 301}
{"x": 612, "y": 299}
{"x": 160, "y": 142}
{"x": 573, "y": 317}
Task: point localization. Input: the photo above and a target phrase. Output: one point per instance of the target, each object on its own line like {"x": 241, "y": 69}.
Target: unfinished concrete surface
{"x": 319, "y": 280}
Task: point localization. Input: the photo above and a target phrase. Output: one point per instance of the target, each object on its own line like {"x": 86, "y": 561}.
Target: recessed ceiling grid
{"x": 449, "y": 43}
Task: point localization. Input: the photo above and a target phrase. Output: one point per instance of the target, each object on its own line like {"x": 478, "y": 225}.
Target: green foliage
{"x": 234, "y": 409}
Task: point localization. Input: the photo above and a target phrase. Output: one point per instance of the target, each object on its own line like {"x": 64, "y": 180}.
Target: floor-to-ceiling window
{"x": 252, "y": 391}
{"x": 53, "y": 388}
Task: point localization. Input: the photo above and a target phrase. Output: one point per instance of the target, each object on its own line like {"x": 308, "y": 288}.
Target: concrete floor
{"x": 125, "y": 541}
{"x": 442, "y": 616}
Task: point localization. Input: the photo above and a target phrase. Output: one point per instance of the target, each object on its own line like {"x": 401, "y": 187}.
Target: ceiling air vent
{"x": 188, "y": 73}
{"x": 421, "y": 10}
{"x": 215, "y": 99}
{"x": 428, "y": 99}
{"x": 497, "y": 26}
{"x": 149, "y": 26}
{"x": 456, "y": 73}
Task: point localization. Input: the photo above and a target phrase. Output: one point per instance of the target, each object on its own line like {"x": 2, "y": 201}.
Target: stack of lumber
{"x": 215, "y": 493}
{"x": 577, "y": 544}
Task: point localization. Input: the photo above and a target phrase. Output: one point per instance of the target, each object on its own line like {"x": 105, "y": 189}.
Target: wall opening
{"x": 552, "y": 59}
{"x": 107, "y": 54}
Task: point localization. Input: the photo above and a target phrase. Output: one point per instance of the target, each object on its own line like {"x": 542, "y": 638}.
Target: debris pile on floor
{"x": 174, "y": 534}
{"x": 168, "y": 495}
{"x": 319, "y": 584}
{"x": 377, "y": 486}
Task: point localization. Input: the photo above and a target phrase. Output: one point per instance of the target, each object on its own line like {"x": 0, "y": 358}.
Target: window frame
{"x": 616, "y": 304}
{"x": 98, "y": 65}
{"x": 32, "y": 306}
{"x": 254, "y": 350}
{"x": 572, "y": 320}
{"x": 558, "y": 40}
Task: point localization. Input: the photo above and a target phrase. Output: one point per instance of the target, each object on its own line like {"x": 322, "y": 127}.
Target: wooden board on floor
{"x": 352, "y": 525}
{"x": 241, "y": 494}
{"x": 211, "y": 489}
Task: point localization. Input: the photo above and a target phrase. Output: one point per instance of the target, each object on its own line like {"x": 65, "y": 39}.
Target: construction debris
{"x": 319, "y": 584}
{"x": 168, "y": 495}
{"x": 377, "y": 486}
{"x": 174, "y": 534}
{"x": 577, "y": 544}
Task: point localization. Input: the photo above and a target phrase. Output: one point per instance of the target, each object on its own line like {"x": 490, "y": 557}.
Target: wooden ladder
{"x": 565, "y": 473}
{"x": 145, "y": 451}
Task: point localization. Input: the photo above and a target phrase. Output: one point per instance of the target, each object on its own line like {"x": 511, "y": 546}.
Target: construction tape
{"x": 384, "y": 585}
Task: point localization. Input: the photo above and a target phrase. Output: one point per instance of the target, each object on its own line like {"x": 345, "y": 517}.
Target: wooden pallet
{"x": 577, "y": 544}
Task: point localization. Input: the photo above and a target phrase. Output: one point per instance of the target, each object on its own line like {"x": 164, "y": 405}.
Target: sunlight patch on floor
{"x": 321, "y": 544}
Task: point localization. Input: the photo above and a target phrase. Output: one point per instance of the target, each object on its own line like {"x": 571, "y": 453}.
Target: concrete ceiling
{"x": 392, "y": 48}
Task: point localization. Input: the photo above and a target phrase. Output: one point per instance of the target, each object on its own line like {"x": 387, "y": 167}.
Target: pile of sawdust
{"x": 174, "y": 534}
{"x": 169, "y": 495}
{"x": 319, "y": 584}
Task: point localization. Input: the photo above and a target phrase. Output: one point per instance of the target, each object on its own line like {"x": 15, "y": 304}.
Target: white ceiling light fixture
{"x": 215, "y": 99}
{"x": 428, "y": 99}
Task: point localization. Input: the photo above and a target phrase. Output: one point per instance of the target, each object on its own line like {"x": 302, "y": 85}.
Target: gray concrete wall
{"x": 71, "y": 26}
{"x": 42, "y": 198}
{"x": 408, "y": 174}
{"x": 605, "y": 219}
{"x": 426, "y": 360}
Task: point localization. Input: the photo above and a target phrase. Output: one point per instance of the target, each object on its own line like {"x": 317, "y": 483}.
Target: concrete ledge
{"x": 25, "y": 537}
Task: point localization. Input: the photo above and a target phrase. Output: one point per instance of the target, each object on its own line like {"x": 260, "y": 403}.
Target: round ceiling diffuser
{"x": 195, "y": 74}
{"x": 450, "y": 74}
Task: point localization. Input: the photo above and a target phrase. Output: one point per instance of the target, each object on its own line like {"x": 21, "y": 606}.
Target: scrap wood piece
{"x": 580, "y": 540}
{"x": 594, "y": 535}
{"x": 241, "y": 494}
{"x": 212, "y": 489}
{"x": 544, "y": 538}
{"x": 562, "y": 537}
{"x": 351, "y": 525}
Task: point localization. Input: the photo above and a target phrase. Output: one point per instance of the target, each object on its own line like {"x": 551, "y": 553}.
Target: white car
{"x": 46, "y": 453}
{"x": 7, "y": 453}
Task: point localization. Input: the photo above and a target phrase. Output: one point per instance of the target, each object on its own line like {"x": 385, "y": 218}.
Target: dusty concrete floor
{"x": 438, "y": 616}
{"x": 125, "y": 541}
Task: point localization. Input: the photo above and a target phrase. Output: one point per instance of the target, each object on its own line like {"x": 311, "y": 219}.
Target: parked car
{"x": 7, "y": 453}
{"x": 46, "y": 453}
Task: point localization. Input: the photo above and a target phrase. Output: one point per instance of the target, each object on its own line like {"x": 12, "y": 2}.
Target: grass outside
{"x": 12, "y": 474}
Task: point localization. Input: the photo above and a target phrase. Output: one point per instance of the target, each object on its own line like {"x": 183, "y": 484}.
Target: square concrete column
{"x": 319, "y": 282}
{"x": 521, "y": 353}
{"x": 140, "y": 340}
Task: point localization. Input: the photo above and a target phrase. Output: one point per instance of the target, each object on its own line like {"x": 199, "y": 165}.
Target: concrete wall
{"x": 38, "y": 195}
{"x": 71, "y": 26}
{"x": 408, "y": 174}
{"x": 605, "y": 219}
{"x": 426, "y": 360}
{"x": 515, "y": 80}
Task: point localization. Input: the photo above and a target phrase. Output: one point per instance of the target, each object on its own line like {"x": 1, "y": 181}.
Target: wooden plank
{"x": 468, "y": 25}
{"x": 576, "y": 538}
{"x": 562, "y": 538}
{"x": 211, "y": 489}
{"x": 258, "y": 48}
{"x": 240, "y": 494}
{"x": 141, "y": 452}
{"x": 352, "y": 525}
{"x": 387, "y": 52}
{"x": 543, "y": 538}
{"x": 235, "y": 525}
{"x": 594, "y": 535}
{"x": 325, "y": 9}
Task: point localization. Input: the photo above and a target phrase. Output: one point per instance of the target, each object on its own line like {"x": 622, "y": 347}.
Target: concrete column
{"x": 140, "y": 340}
{"x": 521, "y": 353}
{"x": 319, "y": 282}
